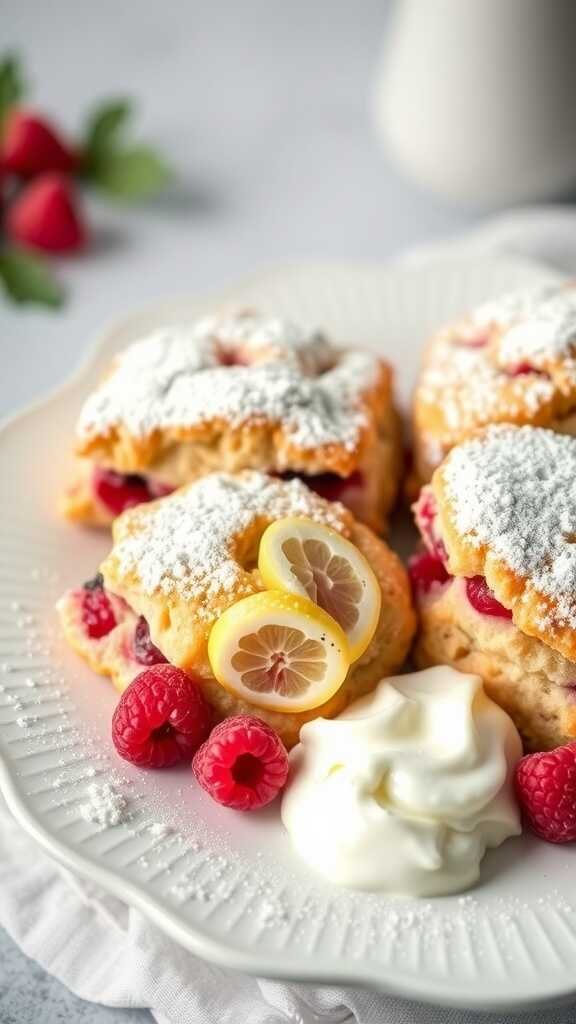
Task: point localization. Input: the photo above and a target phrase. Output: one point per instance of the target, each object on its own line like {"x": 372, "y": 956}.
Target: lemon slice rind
{"x": 277, "y": 573}
{"x": 316, "y": 652}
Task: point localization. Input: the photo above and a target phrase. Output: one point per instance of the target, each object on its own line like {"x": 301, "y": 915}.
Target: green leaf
{"x": 28, "y": 278}
{"x": 11, "y": 83}
{"x": 104, "y": 127}
{"x": 132, "y": 174}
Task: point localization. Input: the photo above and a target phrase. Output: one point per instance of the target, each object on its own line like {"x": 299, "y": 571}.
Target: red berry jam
{"x": 349, "y": 489}
{"x": 119, "y": 491}
{"x": 471, "y": 341}
{"x": 145, "y": 652}
{"x": 523, "y": 368}
{"x": 426, "y": 516}
{"x": 482, "y": 599}
{"x": 97, "y": 614}
{"x": 333, "y": 487}
{"x": 425, "y": 570}
{"x": 228, "y": 356}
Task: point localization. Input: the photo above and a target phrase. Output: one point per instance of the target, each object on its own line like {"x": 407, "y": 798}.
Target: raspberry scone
{"x": 512, "y": 360}
{"x": 183, "y": 563}
{"x": 496, "y": 585}
{"x": 233, "y": 392}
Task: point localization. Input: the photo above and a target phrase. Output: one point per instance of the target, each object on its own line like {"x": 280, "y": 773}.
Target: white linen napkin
{"x": 108, "y": 953}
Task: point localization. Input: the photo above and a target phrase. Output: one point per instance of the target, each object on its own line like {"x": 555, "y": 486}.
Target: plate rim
{"x": 437, "y": 993}
{"x": 434, "y": 991}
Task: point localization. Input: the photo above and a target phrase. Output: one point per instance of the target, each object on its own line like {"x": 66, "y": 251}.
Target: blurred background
{"x": 263, "y": 112}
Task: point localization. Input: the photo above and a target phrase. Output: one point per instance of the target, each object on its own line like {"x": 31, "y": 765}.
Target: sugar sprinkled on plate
{"x": 105, "y": 806}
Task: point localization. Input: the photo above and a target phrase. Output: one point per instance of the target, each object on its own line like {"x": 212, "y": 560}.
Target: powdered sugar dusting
{"x": 238, "y": 369}
{"x": 105, "y": 805}
{"x": 472, "y": 375}
{"x": 257, "y": 337}
{"x": 538, "y": 324}
{"x": 470, "y": 390}
{"x": 186, "y": 543}
{"x": 514, "y": 490}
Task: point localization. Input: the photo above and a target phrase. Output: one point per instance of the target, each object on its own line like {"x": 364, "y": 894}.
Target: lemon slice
{"x": 306, "y": 558}
{"x": 279, "y": 651}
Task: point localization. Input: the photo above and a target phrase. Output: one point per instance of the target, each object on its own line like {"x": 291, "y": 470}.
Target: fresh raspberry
{"x": 482, "y": 599}
{"x": 45, "y": 216}
{"x": 31, "y": 145}
{"x": 144, "y": 650}
{"x": 161, "y": 718}
{"x": 546, "y": 789}
{"x": 243, "y": 763}
{"x": 97, "y": 613}
{"x": 119, "y": 491}
{"x": 425, "y": 570}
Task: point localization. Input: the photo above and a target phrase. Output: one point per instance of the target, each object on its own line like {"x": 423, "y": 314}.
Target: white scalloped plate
{"x": 225, "y": 885}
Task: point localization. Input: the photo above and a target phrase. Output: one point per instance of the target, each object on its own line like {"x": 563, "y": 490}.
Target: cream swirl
{"x": 406, "y": 790}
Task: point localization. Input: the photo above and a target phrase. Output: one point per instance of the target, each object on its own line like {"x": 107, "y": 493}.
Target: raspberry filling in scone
{"x": 106, "y": 631}
{"x": 276, "y": 601}
{"x": 512, "y": 360}
{"x": 233, "y": 392}
{"x": 495, "y": 582}
{"x": 118, "y": 491}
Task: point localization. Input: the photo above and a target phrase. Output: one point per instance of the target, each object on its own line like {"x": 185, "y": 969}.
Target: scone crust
{"x": 240, "y": 390}
{"x": 179, "y": 453}
{"x": 295, "y": 403}
{"x": 521, "y": 674}
{"x": 380, "y": 465}
{"x": 549, "y": 616}
{"x": 464, "y": 385}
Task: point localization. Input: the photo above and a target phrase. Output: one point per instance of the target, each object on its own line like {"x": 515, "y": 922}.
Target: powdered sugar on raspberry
{"x": 185, "y": 376}
{"x": 514, "y": 490}
{"x": 187, "y": 543}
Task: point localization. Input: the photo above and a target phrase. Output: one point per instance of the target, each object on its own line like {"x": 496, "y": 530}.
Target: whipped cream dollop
{"x": 406, "y": 790}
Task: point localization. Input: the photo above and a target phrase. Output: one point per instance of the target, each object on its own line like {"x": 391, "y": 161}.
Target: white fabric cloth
{"x": 108, "y": 953}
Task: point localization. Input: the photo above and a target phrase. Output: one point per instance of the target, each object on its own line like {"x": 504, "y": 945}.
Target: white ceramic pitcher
{"x": 476, "y": 99}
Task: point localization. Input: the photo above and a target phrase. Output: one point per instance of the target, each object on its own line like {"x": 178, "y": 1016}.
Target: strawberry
{"x": 31, "y": 146}
{"x": 45, "y": 216}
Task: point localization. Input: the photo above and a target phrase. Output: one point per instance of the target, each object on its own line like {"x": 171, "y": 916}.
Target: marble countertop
{"x": 263, "y": 110}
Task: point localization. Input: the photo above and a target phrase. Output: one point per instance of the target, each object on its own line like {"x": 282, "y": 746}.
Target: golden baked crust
{"x": 238, "y": 392}
{"x": 506, "y": 511}
{"x": 510, "y": 361}
{"x": 380, "y": 467}
{"x": 502, "y": 506}
{"x": 521, "y": 674}
{"x": 180, "y": 611}
{"x": 79, "y": 503}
